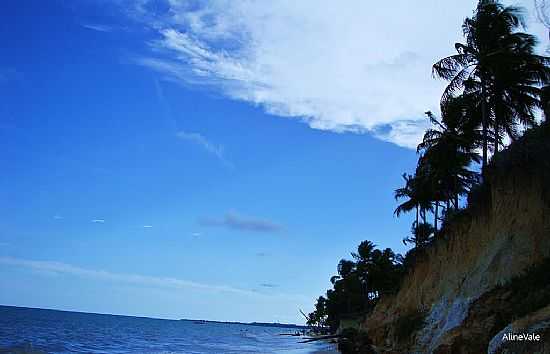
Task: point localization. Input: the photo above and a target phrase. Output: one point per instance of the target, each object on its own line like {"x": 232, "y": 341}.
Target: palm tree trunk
{"x": 484, "y": 125}
{"x": 497, "y": 137}
{"x": 423, "y": 215}
{"x": 545, "y": 98}
{"x": 416, "y": 228}
{"x": 436, "y": 212}
{"x": 456, "y": 201}
{"x": 484, "y": 132}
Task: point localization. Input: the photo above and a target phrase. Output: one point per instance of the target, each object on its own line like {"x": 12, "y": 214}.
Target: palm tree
{"x": 431, "y": 182}
{"x": 363, "y": 258}
{"x": 345, "y": 268}
{"x": 376, "y": 269}
{"x": 515, "y": 91}
{"x": 409, "y": 192}
{"x": 364, "y": 251}
{"x": 318, "y": 317}
{"x": 545, "y": 102}
{"x": 484, "y": 65}
{"x": 447, "y": 152}
{"x": 417, "y": 194}
{"x": 459, "y": 118}
{"x": 420, "y": 235}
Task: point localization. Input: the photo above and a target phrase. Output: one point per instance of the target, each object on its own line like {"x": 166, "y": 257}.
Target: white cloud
{"x": 57, "y": 217}
{"x": 147, "y": 226}
{"x": 362, "y": 66}
{"x": 98, "y": 221}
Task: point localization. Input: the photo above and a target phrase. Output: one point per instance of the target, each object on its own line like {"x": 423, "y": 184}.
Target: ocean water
{"x": 25, "y": 330}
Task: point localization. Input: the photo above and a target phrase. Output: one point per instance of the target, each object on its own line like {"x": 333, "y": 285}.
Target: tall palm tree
{"x": 345, "y": 268}
{"x": 431, "y": 183}
{"x": 364, "y": 251}
{"x": 459, "y": 118}
{"x": 420, "y": 235}
{"x": 545, "y": 102}
{"x": 408, "y": 192}
{"x": 417, "y": 194}
{"x": 448, "y": 150}
{"x": 494, "y": 50}
{"x": 515, "y": 91}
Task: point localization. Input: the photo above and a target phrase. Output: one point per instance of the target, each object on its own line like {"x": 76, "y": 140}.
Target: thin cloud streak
{"x": 235, "y": 221}
{"x": 98, "y": 27}
{"x": 203, "y": 142}
{"x": 98, "y": 221}
{"x": 50, "y": 267}
{"x": 269, "y": 285}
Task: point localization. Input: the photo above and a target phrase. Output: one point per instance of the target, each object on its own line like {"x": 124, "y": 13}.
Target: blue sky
{"x": 204, "y": 161}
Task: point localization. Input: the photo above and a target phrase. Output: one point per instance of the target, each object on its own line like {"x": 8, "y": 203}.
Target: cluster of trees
{"x": 359, "y": 284}
{"x": 497, "y": 83}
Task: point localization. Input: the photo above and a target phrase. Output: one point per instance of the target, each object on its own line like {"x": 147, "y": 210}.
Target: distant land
{"x": 258, "y": 324}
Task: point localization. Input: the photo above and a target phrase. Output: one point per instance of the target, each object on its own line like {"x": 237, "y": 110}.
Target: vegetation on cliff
{"x": 358, "y": 285}
{"x": 497, "y": 84}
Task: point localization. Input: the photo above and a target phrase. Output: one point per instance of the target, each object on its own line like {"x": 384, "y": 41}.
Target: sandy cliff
{"x": 454, "y": 286}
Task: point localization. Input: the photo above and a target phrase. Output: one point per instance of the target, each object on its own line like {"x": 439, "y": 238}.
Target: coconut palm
{"x": 457, "y": 125}
{"x": 345, "y": 268}
{"x": 408, "y": 192}
{"x": 447, "y": 150}
{"x": 515, "y": 92}
{"x": 417, "y": 193}
{"x": 421, "y": 234}
{"x": 377, "y": 269}
{"x": 364, "y": 251}
{"x": 545, "y": 102}
{"x": 497, "y": 65}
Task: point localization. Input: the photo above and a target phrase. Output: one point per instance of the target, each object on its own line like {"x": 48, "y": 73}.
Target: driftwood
{"x": 303, "y": 314}
{"x": 314, "y": 339}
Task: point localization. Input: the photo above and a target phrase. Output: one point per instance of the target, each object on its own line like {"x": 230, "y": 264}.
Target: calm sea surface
{"x": 36, "y": 330}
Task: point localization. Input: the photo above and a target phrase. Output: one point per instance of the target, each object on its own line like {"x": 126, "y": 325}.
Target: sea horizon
{"x": 38, "y": 330}
{"x": 253, "y": 323}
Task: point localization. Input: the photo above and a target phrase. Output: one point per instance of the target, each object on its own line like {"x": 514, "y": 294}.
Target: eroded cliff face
{"x": 455, "y": 283}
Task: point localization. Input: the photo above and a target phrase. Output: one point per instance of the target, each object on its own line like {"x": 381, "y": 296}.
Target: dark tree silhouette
{"x": 545, "y": 102}
{"x": 497, "y": 65}
{"x": 447, "y": 151}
